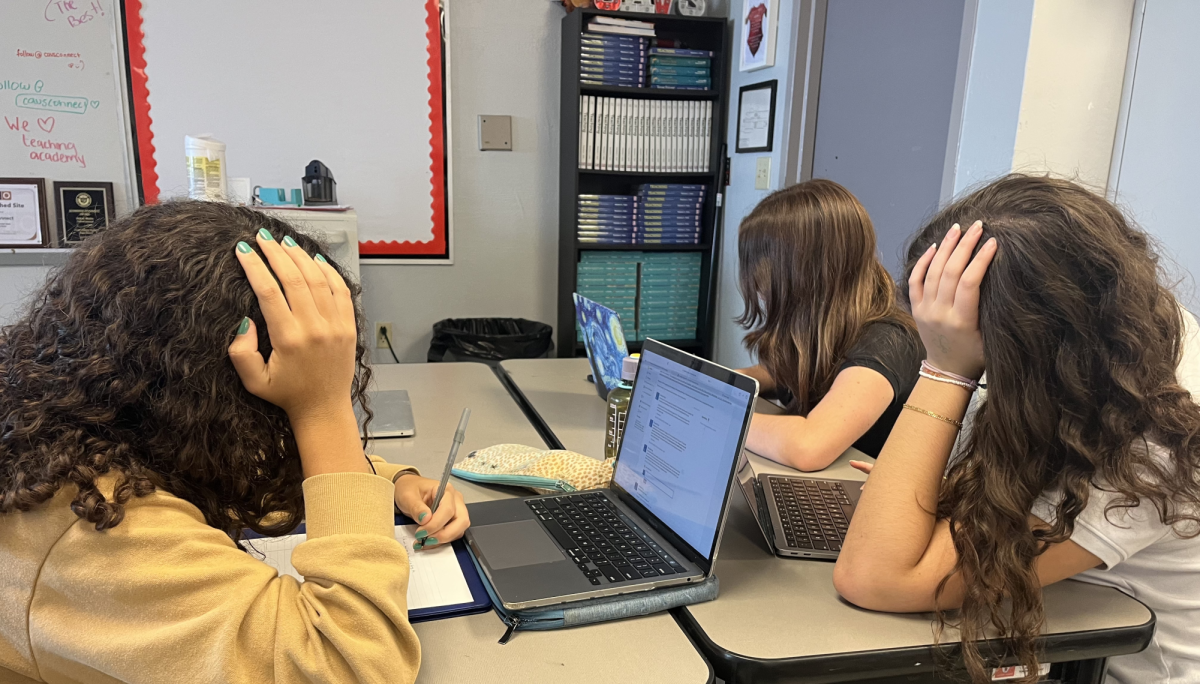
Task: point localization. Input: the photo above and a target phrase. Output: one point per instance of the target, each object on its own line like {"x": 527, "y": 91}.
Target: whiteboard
{"x": 357, "y": 85}
{"x": 63, "y": 96}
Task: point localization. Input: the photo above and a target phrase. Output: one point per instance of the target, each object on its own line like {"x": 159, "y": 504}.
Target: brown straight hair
{"x": 810, "y": 282}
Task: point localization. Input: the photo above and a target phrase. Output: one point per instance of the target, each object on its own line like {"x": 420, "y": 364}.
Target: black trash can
{"x": 489, "y": 339}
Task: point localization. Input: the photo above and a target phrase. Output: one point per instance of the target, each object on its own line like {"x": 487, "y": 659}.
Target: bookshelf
{"x": 699, "y": 33}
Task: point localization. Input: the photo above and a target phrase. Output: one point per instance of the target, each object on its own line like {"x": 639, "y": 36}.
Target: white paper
{"x": 435, "y": 578}
{"x": 754, "y": 127}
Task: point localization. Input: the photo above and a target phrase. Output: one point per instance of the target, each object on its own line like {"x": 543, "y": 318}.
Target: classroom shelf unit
{"x": 698, "y": 33}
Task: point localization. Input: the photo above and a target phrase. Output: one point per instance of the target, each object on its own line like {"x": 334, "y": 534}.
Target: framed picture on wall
{"x": 24, "y": 220}
{"x": 756, "y": 117}
{"x": 759, "y": 21}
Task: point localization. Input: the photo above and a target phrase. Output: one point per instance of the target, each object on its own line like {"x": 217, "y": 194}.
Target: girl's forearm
{"x": 895, "y": 518}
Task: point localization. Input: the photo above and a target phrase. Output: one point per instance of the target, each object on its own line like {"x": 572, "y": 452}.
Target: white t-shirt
{"x": 1150, "y": 562}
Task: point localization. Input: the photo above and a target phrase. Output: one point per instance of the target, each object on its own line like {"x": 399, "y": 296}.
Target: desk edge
{"x": 850, "y": 666}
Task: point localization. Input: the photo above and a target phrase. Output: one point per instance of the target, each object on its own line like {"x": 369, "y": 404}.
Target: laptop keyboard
{"x": 603, "y": 542}
{"x": 811, "y": 512}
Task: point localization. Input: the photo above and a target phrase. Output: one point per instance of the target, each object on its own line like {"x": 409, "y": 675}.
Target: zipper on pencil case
{"x": 516, "y": 480}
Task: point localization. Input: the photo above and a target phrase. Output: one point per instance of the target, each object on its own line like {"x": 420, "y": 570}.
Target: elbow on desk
{"x": 855, "y": 585}
{"x": 807, "y": 457}
{"x": 875, "y": 589}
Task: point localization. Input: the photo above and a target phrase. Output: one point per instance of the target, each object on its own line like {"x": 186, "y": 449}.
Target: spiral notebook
{"x": 442, "y": 582}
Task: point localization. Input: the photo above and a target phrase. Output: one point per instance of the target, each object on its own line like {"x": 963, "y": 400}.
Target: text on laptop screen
{"x": 681, "y": 438}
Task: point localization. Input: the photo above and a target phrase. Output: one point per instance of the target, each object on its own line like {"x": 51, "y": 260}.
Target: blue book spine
{"x": 689, "y": 72}
{"x": 671, "y": 86}
{"x": 611, "y": 53}
{"x": 680, "y": 52}
{"x": 671, "y": 186}
{"x": 588, "y": 38}
{"x": 659, "y": 60}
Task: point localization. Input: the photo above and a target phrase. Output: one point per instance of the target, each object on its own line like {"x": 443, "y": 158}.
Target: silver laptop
{"x": 800, "y": 517}
{"x": 659, "y": 524}
{"x": 393, "y": 416}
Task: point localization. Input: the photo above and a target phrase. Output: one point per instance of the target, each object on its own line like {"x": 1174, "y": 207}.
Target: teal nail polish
{"x": 431, "y": 541}
{"x": 320, "y": 259}
{"x": 421, "y": 534}
{"x": 243, "y": 326}
{"x": 288, "y": 241}
{"x": 421, "y": 518}
{"x": 243, "y": 248}
{"x": 265, "y": 234}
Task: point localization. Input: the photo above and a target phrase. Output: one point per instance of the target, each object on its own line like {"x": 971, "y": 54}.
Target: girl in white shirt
{"x": 1083, "y": 460}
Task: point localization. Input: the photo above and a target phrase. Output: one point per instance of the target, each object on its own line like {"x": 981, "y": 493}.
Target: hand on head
{"x": 944, "y": 292}
{"x": 311, "y": 327}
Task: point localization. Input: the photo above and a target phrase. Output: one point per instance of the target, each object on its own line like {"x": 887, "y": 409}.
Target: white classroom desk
{"x": 781, "y": 618}
{"x": 464, "y": 649}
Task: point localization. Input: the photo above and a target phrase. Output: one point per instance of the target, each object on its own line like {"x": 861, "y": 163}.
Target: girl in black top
{"x": 821, "y": 311}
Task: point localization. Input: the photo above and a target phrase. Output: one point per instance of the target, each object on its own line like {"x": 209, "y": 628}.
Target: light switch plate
{"x": 762, "y": 176}
{"x": 495, "y": 132}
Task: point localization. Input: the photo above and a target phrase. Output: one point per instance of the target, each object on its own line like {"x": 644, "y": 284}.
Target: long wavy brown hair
{"x": 810, "y": 282}
{"x": 1081, "y": 342}
{"x": 119, "y": 365}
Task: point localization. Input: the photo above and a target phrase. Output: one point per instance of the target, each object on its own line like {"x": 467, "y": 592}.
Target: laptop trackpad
{"x": 513, "y": 544}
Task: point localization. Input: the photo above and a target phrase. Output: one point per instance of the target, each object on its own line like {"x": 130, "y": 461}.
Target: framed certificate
{"x": 84, "y": 209}
{"x": 24, "y": 220}
{"x": 756, "y": 117}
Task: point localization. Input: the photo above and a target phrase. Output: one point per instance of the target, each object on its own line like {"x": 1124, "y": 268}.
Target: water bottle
{"x": 618, "y": 408}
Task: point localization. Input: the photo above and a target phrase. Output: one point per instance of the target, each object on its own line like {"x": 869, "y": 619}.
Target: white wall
{"x": 741, "y": 195}
{"x": 1072, "y": 93}
{"x": 504, "y": 59}
{"x": 1155, "y": 180}
{"x": 995, "y": 41}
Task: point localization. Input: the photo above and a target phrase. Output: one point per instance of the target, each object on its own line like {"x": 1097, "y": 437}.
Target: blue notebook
{"x": 464, "y": 596}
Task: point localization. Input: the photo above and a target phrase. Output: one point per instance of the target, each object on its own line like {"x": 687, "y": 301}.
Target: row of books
{"x": 680, "y": 69}
{"x": 628, "y": 27}
{"x": 612, "y": 60}
{"x": 660, "y": 213}
{"x": 622, "y": 61}
{"x": 622, "y": 134}
{"x": 656, "y": 294}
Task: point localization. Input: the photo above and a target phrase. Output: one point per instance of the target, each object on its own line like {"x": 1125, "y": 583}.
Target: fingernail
{"x": 320, "y": 259}
{"x": 244, "y": 325}
{"x": 430, "y": 542}
{"x": 265, "y": 234}
{"x": 421, "y": 517}
{"x": 992, "y": 241}
{"x": 243, "y": 248}
{"x": 954, "y": 227}
{"x": 288, "y": 241}
{"x": 421, "y": 534}
{"x": 977, "y": 224}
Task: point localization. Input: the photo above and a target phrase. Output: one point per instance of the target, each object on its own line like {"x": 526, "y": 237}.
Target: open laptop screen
{"x": 681, "y": 438}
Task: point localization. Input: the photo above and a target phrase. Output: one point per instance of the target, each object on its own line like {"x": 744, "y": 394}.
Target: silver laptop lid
{"x": 687, "y": 423}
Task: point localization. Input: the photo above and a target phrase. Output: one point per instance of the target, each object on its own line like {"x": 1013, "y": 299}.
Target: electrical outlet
{"x": 380, "y": 341}
{"x": 762, "y": 176}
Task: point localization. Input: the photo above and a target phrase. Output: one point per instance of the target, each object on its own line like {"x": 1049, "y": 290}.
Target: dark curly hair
{"x": 120, "y": 365}
{"x": 1081, "y": 342}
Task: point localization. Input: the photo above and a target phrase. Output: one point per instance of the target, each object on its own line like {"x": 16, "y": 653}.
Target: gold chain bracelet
{"x": 956, "y": 423}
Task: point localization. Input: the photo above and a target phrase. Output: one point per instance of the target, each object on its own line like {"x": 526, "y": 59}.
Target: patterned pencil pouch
{"x": 544, "y": 471}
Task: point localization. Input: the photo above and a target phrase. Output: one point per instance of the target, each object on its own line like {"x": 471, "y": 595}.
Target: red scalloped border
{"x": 135, "y": 37}
{"x": 437, "y": 153}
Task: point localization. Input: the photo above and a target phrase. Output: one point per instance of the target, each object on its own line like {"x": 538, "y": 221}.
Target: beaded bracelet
{"x": 950, "y": 381}
{"x": 928, "y": 370}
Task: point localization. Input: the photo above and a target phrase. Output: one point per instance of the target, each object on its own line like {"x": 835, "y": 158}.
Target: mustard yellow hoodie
{"x": 163, "y": 597}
